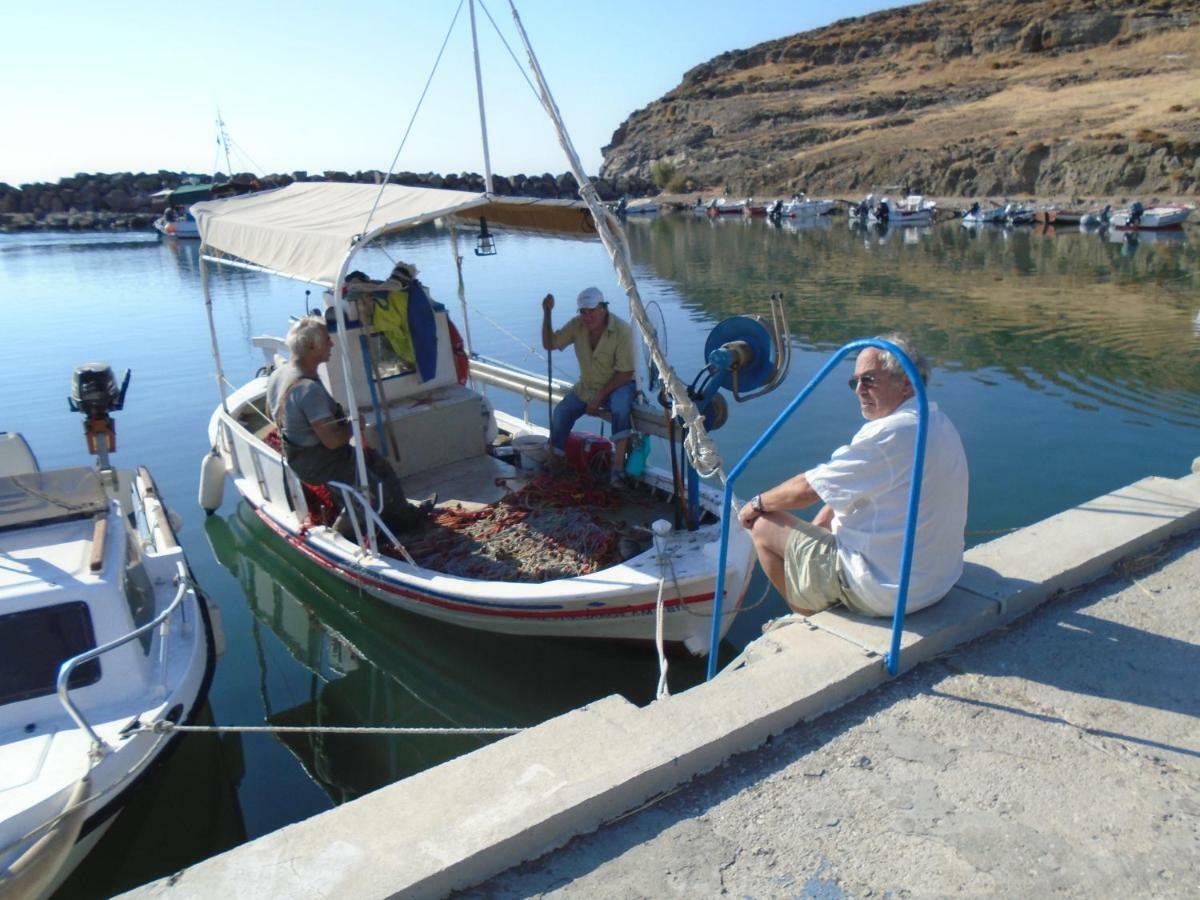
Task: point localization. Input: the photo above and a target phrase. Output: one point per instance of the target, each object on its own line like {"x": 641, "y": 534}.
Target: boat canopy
{"x": 307, "y": 230}
{"x": 189, "y": 193}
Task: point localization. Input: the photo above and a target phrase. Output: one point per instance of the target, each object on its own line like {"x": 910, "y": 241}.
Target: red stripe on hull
{"x": 610, "y": 612}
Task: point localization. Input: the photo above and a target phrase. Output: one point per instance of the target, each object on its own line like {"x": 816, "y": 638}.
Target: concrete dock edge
{"x": 475, "y": 816}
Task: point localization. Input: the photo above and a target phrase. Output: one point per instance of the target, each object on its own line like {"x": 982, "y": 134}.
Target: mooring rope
{"x": 166, "y": 727}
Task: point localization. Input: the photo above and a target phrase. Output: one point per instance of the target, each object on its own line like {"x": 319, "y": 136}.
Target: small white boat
{"x": 103, "y": 635}
{"x": 176, "y": 224}
{"x": 177, "y": 220}
{"x": 722, "y": 206}
{"x": 436, "y": 427}
{"x": 1138, "y": 218}
{"x": 912, "y": 210}
{"x": 802, "y": 207}
{"x": 643, "y": 206}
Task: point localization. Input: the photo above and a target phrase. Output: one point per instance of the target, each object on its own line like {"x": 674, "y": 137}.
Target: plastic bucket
{"x": 533, "y": 452}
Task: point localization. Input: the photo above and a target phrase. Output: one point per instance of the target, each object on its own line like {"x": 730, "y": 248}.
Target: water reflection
{"x": 1108, "y": 320}
{"x": 354, "y": 661}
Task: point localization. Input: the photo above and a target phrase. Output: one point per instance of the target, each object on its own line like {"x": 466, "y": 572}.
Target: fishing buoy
{"x": 212, "y": 482}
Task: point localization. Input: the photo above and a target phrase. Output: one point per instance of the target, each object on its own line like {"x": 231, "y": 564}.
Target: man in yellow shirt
{"x": 604, "y": 347}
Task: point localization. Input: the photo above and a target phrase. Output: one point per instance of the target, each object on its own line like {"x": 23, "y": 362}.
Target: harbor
{"x": 471, "y": 560}
{"x": 302, "y": 650}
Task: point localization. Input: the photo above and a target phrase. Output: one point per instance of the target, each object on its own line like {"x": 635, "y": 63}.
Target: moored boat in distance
{"x": 912, "y": 210}
{"x": 103, "y": 636}
{"x": 1139, "y": 218}
{"x": 977, "y": 215}
{"x": 803, "y": 207}
{"x": 723, "y": 206}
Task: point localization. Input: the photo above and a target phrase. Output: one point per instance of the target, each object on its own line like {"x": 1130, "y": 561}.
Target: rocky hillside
{"x": 951, "y": 97}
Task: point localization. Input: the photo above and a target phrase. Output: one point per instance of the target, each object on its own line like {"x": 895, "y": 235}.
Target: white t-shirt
{"x": 866, "y": 483}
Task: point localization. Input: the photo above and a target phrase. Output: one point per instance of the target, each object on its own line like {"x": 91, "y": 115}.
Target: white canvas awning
{"x": 306, "y": 230}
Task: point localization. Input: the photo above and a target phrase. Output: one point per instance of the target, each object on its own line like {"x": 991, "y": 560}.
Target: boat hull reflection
{"x": 353, "y": 663}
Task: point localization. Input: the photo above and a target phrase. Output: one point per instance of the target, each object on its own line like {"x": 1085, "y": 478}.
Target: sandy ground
{"x": 1061, "y": 756}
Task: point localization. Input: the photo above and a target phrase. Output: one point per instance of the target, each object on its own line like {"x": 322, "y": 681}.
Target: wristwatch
{"x": 756, "y": 503}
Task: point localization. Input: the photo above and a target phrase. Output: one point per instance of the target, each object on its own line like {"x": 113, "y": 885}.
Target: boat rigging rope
{"x": 413, "y": 119}
{"x": 701, "y": 449}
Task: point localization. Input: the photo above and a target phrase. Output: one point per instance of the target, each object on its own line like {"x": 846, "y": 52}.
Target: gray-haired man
{"x": 850, "y": 553}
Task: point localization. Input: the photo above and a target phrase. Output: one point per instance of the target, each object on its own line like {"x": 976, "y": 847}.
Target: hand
{"x": 548, "y": 303}
{"x": 593, "y": 407}
{"x": 747, "y": 514}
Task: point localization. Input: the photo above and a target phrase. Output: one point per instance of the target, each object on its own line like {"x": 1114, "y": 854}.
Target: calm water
{"x": 1068, "y": 362}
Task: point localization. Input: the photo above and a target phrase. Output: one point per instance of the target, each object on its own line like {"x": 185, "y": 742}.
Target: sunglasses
{"x": 868, "y": 381}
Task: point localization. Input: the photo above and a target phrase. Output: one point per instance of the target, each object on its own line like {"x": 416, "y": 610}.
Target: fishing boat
{"x": 103, "y": 635}
{"x": 1139, "y": 218}
{"x": 651, "y": 568}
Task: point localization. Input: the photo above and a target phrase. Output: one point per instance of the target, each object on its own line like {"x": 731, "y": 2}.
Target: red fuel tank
{"x": 589, "y": 454}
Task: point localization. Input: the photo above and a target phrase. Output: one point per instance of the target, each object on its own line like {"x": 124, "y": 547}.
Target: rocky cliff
{"x": 952, "y": 97}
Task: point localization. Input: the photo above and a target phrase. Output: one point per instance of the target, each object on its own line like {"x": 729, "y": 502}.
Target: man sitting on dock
{"x": 850, "y": 552}
{"x": 604, "y": 347}
{"x": 316, "y": 434}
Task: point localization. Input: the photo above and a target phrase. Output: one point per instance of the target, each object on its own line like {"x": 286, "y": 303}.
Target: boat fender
{"x": 212, "y": 482}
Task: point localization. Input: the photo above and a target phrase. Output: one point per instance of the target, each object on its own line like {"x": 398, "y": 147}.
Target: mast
{"x": 487, "y": 159}
{"x": 223, "y": 140}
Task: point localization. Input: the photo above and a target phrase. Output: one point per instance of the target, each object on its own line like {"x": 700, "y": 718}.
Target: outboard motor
{"x": 1135, "y": 213}
{"x": 883, "y": 212}
{"x": 94, "y": 393}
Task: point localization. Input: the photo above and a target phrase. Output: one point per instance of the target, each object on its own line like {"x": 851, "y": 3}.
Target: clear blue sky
{"x": 125, "y": 86}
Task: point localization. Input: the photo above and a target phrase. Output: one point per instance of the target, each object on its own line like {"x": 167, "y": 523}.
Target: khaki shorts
{"x": 813, "y": 572}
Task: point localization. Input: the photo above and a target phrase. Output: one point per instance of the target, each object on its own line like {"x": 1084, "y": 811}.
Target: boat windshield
{"x": 35, "y": 642}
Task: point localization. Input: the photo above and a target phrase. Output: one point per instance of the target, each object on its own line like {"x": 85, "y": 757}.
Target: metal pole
{"x": 892, "y": 661}
{"x": 487, "y": 159}
{"x": 212, "y": 330}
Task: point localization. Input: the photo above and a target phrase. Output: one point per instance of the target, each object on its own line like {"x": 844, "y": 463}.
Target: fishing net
{"x": 546, "y": 530}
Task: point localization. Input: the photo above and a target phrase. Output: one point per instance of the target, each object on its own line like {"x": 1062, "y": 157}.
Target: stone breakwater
{"x": 126, "y": 201}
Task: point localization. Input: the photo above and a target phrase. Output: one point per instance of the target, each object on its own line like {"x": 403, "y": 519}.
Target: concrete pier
{"x": 477, "y": 817}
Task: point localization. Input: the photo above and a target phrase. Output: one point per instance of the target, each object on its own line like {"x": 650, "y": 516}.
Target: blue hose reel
{"x": 747, "y": 356}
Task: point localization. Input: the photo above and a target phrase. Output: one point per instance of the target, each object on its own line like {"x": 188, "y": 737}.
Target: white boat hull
{"x": 1156, "y": 217}
{"x": 617, "y": 603}
{"x": 49, "y": 816}
{"x": 180, "y": 228}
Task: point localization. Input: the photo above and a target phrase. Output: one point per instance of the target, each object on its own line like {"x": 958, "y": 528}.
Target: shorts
{"x": 814, "y": 573}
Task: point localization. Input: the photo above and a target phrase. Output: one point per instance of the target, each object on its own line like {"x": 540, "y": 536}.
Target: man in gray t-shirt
{"x": 316, "y": 433}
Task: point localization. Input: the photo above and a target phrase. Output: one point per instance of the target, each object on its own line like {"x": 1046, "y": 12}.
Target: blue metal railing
{"x": 892, "y": 660}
